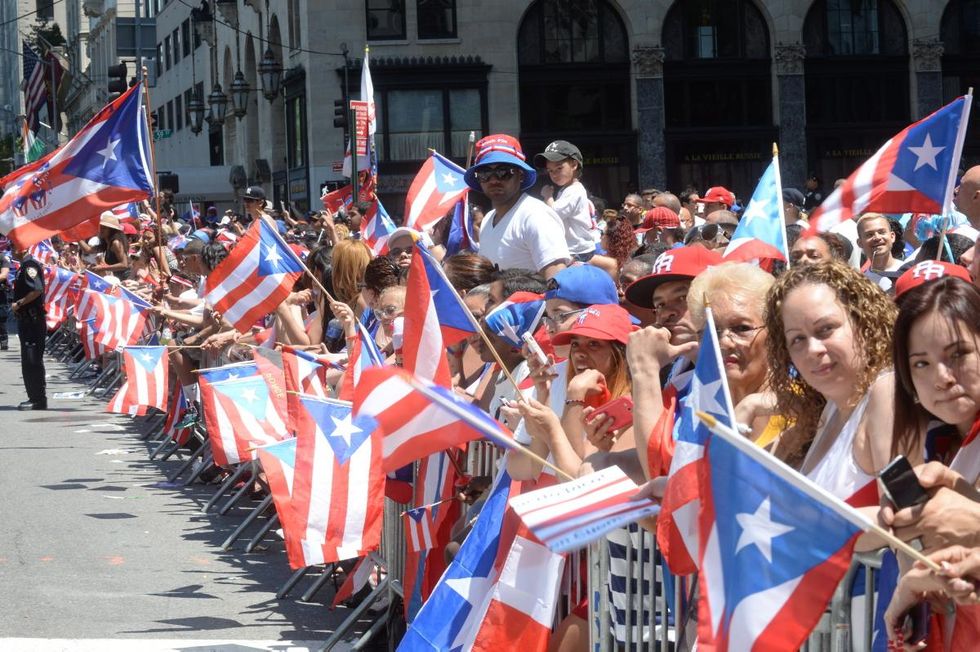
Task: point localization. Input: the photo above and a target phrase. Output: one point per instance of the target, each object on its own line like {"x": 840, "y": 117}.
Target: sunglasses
{"x": 502, "y": 174}
{"x": 395, "y": 252}
{"x": 387, "y": 312}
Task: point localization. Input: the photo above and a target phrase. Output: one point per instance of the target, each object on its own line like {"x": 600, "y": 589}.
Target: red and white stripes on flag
{"x": 57, "y": 281}
{"x": 338, "y": 489}
{"x": 419, "y": 528}
{"x": 240, "y": 416}
{"x": 120, "y": 321}
{"x": 572, "y": 515}
{"x": 358, "y": 577}
{"x": 255, "y": 278}
{"x": 35, "y": 88}
{"x": 147, "y": 380}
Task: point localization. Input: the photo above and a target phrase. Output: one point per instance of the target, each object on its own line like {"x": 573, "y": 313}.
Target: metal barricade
{"x": 847, "y": 626}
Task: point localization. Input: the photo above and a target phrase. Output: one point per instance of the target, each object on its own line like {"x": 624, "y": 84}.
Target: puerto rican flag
{"x": 121, "y": 319}
{"x": 358, "y": 578}
{"x": 435, "y": 318}
{"x": 377, "y": 228}
{"x": 338, "y": 492}
{"x": 58, "y": 281}
{"x": 304, "y": 373}
{"x": 418, "y": 417}
{"x": 773, "y": 548}
{"x": 176, "y": 409}
{"x": 240, "y": 416}
{"x": 278, "y": 462}
{"x": 44, "y": 252}
{"x": 337, "y": 199}
{"x": 761, "y": 233}
{"x": 915, "y": 171}
{"x": 105, "y": 164}
{"x": 419, "y": 528}
{"x": 677, "y": 526}
{"x": 147, "y": 380}
{"x": 520, "y": 313}
{"x": 362, "y": 354}
{"x": 460, "y": 237}
{"x": 87, "y": 333}
{"x": 255, "y": 278}
{"x": 436, "y": 189}
{"x": 95, "y": 285}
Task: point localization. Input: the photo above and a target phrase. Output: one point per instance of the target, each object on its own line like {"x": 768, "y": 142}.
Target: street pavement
{"x": 95, "y": 545}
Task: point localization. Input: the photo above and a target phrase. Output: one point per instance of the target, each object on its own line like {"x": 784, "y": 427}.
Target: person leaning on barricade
{"x": 937, "y": 420}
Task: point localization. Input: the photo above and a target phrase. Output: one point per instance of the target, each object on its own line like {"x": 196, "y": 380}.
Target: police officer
{"x": 28, "y": 306}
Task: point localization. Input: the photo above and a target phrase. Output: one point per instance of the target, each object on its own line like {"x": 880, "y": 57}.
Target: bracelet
{"x": 574, "y": 401}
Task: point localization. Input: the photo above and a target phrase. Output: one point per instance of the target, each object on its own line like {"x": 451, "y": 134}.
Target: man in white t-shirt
{"x": 521, "y": 232}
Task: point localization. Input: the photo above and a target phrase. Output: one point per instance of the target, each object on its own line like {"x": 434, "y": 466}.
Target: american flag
{"x": 146, "y": 381}
{"x": 35, "y": 89}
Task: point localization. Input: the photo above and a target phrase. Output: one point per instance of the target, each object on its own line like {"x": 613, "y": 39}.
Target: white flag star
{"x": 273, "y": 256}
{"x": 759, "y": 530}
{"x": 757, "y": 208}
{"x": 449, "y": 179}
{"x": 109, "y": 152}
{"x": 926, "y": 154}
{"x": 344, "y": 428}
{"x": 147, "y": 358}
{"x": 250, "y": 395}
{"x": 508, "y": 332}
{"x": 704, "y": 397}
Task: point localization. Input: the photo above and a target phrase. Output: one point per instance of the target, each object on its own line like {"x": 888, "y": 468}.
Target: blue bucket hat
{"x": 497, "y": 149}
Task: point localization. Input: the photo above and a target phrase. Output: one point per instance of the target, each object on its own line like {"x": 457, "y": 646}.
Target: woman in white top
{"x": 568, "y": 197}
{"x": 829, "y": 347}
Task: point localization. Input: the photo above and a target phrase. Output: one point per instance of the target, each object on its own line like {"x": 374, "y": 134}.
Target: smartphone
{"x": 535, "y": 348}
{"x": 621, "y": 411}
{"x": 916, "y": 625}
{"x": 901, "y": 485}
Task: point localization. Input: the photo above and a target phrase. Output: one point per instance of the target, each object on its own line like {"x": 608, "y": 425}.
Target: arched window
{"x": 574, "y": 79}
{"x": 717, "y": 94}
{"x": 857, "y": 81}
{"x": 960, "y": 34}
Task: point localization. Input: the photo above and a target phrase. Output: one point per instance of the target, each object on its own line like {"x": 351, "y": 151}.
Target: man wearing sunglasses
{"x": 521, "y": 232}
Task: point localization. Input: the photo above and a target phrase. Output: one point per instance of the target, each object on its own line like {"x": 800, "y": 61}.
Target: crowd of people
{"x": 864, "y": 345}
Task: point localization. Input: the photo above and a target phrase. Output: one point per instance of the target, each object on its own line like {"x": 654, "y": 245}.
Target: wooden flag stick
{"x": 153, "y": 164}
{"x": 814, "y": 491}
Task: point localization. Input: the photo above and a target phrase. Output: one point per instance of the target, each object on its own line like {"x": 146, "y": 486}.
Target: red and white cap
{"x": 683, "y": 263}
{"x": 659, "y": 216}
{"x": 603, "y": 321}
{"x": 928, "y": 270}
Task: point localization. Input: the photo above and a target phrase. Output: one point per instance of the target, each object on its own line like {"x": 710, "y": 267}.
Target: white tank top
{"x": 838, "y": 472}
{"x": 967, "y": 461}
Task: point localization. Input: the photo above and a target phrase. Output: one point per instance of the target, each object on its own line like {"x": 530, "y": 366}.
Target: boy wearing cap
{"x": 568, "y": 197}
{"x": 520, "y": 232}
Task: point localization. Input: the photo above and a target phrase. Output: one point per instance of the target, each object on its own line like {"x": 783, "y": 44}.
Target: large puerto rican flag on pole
{"x": 255, "y": 278}
{"x": 436, "y": 189}
{"x": 915, "y": 171}
{"x": 106, "y": 164}
{"x": 761, "y": 233}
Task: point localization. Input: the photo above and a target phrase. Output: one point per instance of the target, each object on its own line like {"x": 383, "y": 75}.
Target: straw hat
{"x": 110, "y": 220}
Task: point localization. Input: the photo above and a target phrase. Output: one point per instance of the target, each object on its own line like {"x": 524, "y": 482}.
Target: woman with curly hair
{"x": 829, "y": 349}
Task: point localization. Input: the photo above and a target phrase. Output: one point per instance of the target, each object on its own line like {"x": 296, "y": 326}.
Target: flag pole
{"x": 811, "y": 489}
{"x": 469, "y": 150}
{"x": 779, "y": 199}
{"x": 153, "y": 164}
{"x": 953, "y": 166}
{"x": 316, "y": 281}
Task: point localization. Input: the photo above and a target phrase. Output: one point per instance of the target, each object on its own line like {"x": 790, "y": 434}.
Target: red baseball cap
{"x": 719, "y": 194}
{"x": 681, "y": 264}
{"x": 659, "y": 216}
{"x": 928, "y": 270}
{"x": 603, "y": 321}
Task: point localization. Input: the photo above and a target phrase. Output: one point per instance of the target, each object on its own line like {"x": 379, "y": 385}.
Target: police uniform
{"x": 32, "y": 331}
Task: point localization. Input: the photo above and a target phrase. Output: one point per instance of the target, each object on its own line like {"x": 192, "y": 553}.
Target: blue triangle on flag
{"x": 274, "y": 257}
{"x": 284, "y": 450}
{"x": 344, "y": 432}
{"x": 147, "y": 356}
{"x": 113, "y": 154}
{"x": 249, "y": 394}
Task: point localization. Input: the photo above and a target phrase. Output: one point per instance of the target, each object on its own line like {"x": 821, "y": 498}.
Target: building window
{"x": 45, "y": 10}
{"x": 385, "y": 20}
{"x": 176, "y": 42}
{"x": 166, "y": 50}
{"x": 415, "y": 120}
{"x": 159, "y": 62}
{"x": 436, "y": 18}
{"x": 170, "y": 114}
{"x": 216, "y": 143}
{"x": 715, "y": 29}
{"x": 573, "y": 31}
{"x": 161, "y": 121}
{"x": 960, "y": 33}
{"x": 296, "y": 132}
{"x": 179, "y": 112}
{"x": 836, "y": 28}
{"x": 295, "y": 35}
{"x": 187, "y": 107}
{"x": 185, "y": 37}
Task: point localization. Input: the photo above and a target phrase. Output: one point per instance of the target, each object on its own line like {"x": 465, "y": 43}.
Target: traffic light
{"x": 340, "y": 114}
{"x": 153, "y": 121}
{"x": 117, "y": 84}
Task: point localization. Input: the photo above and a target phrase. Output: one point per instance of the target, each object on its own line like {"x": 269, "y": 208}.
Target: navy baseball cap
{"x": 583, "y": 284}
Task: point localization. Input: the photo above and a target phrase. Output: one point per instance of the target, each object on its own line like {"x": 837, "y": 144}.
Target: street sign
{"x": 361, "y": 125}
{"x": 160, "y": 134}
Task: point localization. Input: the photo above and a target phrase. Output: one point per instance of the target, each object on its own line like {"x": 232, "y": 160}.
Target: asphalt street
{"x": 98, "y": 552}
